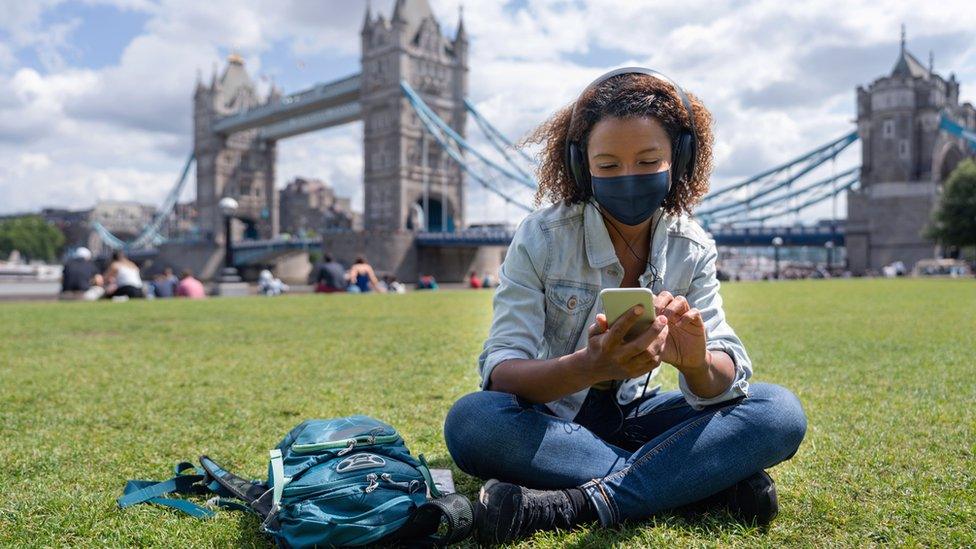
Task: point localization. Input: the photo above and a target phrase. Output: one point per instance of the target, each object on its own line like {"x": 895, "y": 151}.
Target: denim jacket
{"x": 549, "y": 285}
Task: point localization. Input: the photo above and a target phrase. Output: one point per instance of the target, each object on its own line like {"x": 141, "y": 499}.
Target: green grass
{"x": 94, "y": 394}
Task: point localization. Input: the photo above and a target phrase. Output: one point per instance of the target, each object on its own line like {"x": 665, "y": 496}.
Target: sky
{"x": 95, "y": 95}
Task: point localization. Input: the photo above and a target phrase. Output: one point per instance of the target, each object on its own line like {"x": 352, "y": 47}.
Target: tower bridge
{"x": 236, "y": 135}
{"x": 411, "y": 96}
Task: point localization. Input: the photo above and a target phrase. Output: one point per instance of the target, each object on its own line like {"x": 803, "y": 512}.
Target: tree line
{"x": 32, "y": 236}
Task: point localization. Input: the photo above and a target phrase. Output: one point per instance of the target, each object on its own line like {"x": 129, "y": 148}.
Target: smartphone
{"x": 617, "y": 301}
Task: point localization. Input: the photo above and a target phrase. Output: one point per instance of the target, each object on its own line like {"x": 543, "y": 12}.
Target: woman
{"x": 362, "y": 278}
{"x": 568, "y": 425}
{"x": 123, "y": 277}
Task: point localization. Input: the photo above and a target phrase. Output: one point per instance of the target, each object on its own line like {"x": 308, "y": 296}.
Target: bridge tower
{"x": 410, "y": 46}
{"x": 239, "y": 165}
{"x": 905, "y": 160}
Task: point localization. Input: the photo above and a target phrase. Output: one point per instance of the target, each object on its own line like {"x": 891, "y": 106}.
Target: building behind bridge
{"x": 124, "y": 218}
{"x": 905, "y": 161}
{"x": 310, "y": 205}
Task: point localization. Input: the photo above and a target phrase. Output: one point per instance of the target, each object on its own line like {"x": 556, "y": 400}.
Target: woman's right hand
{"x": 610, "y": 358}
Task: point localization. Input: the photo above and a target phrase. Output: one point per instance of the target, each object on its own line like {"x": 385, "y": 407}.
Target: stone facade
{"x": 411, "y": 47}
{"x": 312, "y": 205}
{"x": 905, "y": 160}
{"x": 239, "y": 165}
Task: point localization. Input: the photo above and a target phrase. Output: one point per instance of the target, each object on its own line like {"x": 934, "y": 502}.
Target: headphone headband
{"x": 639, "y": 70}
{"x": 683, "y": 155}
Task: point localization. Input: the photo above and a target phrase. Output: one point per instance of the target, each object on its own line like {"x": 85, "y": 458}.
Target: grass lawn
{"x": 94, "y": 394}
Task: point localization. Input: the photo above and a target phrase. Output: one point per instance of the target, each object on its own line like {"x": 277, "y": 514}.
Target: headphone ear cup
{"x": 577, "y": 167}
{"x": 684, "y": 157}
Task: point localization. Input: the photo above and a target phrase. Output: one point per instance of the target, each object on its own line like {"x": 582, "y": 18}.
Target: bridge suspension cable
{"x": 419, "y": 105}
{"x": 767, "y": 183}
{"x": 742, "y": 207}
{"x": 150, "y": 233}
{"x": 846, "y": 184}
{"x": 455, "y": 146}
{"x": 498, "y": 140}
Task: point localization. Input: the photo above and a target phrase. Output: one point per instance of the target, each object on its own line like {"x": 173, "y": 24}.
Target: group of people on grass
{"x": 329, "y": 276}
{"x": 122, "y": 279}
{"x": 476, "y": 282}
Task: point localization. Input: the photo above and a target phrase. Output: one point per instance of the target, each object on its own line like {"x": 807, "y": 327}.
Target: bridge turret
{"x": 367, "y": 18}
{"x": 410, "y": 47}
{"x": 239, "y": 165}
{"x": 904, "y": 157}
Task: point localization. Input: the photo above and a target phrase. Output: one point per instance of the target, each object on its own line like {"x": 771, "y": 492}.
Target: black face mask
{"x": 632, "y": 199}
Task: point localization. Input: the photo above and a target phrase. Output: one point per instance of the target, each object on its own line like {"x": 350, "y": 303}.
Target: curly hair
{"x": 623, "y": 96}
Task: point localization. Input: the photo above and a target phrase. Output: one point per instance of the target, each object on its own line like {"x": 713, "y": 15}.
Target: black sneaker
{"x": 506, "y": 512}
{"x": 751, "y": 500}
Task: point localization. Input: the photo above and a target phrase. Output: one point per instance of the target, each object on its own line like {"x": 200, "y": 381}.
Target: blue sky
{"x": 97, "y": 93}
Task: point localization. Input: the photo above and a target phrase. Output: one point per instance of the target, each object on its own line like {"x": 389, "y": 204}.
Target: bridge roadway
{"x": 321, "y": 106}
{"x": 253, "y": 251}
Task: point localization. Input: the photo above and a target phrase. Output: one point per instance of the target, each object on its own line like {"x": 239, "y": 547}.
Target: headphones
{"x": 682, "y": 156}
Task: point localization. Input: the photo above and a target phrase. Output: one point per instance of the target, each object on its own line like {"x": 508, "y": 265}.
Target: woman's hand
{"x": 612, "y": 358}
{"x": 685, "y": 348}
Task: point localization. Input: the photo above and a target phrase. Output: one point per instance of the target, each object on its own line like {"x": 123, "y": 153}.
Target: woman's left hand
{"x": 685, "y": 348}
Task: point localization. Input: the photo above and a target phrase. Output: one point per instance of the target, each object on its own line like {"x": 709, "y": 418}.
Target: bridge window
{"x": 888, "y": 128}
{"x": 903, "y": 149}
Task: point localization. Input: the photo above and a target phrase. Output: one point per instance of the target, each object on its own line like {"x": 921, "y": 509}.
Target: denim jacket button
{"x": 571, "y": 303}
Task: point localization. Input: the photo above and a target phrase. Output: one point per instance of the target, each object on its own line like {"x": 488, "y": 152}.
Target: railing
{"x": 816, "y": 235}
{"x": 468, "y": 237}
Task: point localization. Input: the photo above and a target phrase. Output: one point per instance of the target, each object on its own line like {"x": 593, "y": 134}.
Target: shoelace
{"x": 545, "y": 509}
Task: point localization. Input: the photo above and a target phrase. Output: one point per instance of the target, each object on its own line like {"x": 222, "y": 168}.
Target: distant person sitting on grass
{"x": 189, "y": 287}
{"x": 78, "y": 274}
{"x": 123, "y": 278}
{"x": 165, "y": 283}
{"x": 427, "y": 282}
{"x": 362, "y": 278}
{"x": 473, "y": 281}
{"x": 270, "y": 285}
{"x": 329, "y": 276}
{"x": 569, "y": 427}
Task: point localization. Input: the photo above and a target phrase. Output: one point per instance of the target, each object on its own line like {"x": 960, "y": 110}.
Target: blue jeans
{"x": 665, "y": 454}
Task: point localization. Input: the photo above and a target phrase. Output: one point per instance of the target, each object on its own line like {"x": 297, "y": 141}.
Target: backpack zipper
{"x": 374, "y": 481}
{"x": 347, "y": 444}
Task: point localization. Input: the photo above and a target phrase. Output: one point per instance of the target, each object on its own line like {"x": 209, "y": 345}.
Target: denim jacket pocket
{"x": 568, "y": 305}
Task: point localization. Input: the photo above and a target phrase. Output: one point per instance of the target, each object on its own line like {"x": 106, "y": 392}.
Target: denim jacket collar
{"x": 599, "y": 247}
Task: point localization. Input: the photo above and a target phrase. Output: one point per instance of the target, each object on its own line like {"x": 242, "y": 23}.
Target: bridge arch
{"x": 441, "y": 215}
{"x": 948, "y": 154}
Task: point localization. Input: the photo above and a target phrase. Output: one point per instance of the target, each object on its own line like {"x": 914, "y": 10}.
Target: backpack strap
{"x": 425, "y": 471}
{"x": 254, "y": 494}
{"x": 192, "y": 480}
{"x": 150, "y": 491}
{"x": 454, "y": 512}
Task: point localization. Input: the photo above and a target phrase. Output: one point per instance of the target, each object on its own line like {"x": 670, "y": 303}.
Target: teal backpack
{"x": 331, "y": 482}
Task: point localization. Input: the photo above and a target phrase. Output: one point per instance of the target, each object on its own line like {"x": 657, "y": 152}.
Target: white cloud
{"x": 333, "y": 155}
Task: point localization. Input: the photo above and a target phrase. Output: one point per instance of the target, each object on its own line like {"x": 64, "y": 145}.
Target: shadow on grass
{"x": 249, "y": 532}
{"x": 711, "y": 523}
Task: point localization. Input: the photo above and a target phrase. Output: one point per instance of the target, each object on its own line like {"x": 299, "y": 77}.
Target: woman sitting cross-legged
{"x": 569, "y": 426}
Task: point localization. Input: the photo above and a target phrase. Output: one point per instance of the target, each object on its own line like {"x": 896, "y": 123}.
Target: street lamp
{"x": 830, "y": 253}
{"x": 229, "y": 280}
{"x": 777, "y": 242}
{"x": 228, "y": 207}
